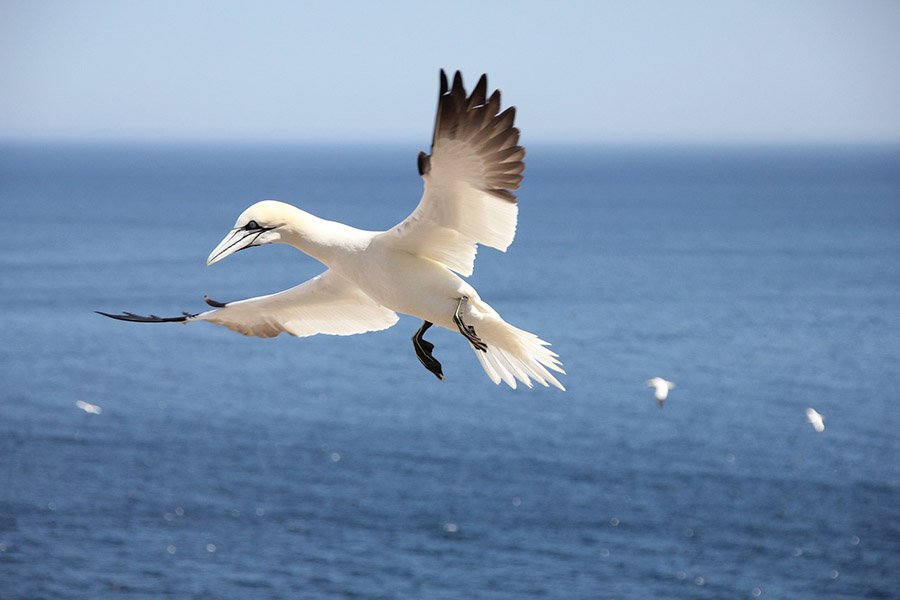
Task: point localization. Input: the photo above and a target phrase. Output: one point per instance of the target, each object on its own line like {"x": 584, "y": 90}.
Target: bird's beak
{"x": 237, "y": 239}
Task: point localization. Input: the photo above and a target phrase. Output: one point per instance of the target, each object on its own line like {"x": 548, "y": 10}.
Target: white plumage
{"x": 326, "y": 303}
{"x": 91, "y": 409}
{"x": 413, "y": 268}
{"x": 815, "y": 419}
{"x": 661, "y": 389}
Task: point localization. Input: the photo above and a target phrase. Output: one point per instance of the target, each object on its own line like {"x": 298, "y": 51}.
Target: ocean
{"x": 761, "y": 280}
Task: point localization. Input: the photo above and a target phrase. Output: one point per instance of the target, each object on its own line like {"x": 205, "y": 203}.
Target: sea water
{"x": 760, "y": 280}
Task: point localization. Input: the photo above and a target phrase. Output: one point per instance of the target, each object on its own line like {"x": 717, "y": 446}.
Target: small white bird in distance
{"x": 88, "y": 407}
{"x": 815, "y": 419}
{"x": 661, "y": 387}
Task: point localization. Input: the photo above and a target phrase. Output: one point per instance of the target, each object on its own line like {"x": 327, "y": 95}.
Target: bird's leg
{"x": 423, "y": 351}
{"x": 467, "y": 330}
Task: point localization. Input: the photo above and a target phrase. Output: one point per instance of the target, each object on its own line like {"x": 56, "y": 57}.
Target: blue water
{"x": 760, "y": 280}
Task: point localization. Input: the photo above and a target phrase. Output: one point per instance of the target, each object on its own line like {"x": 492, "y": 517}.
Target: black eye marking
{"x": 252, "y": 225}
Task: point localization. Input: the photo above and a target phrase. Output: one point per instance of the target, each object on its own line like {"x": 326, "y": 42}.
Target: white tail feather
{"x": 514, "y": 354}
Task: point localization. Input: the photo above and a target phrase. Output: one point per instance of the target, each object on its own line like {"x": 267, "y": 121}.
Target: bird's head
{"x": 256, "y": 226}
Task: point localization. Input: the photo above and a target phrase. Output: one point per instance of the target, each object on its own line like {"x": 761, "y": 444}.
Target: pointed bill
{"x": 237, "y": 239}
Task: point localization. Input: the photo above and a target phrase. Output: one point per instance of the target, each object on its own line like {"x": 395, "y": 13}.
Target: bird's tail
{"x": 514, "y": 354}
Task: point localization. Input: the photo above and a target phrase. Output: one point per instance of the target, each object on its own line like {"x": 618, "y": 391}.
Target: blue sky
{"x": 615, "y": 72}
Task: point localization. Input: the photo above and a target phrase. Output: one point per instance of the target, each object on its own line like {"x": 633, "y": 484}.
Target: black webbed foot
{"x": 424, "y": 349}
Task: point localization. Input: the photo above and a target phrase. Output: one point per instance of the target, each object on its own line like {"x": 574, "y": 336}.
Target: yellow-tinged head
{"x": 260, "y": 224}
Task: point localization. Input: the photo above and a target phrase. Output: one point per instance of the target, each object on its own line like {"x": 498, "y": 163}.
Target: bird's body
{"x": 661, "y": 389}
{"x": 413, "y": 268}
{"x": 404, "y": 282}
{"x": 87, "y": 407}
{"x": 368, "y": 260}
{"x": 815, "y": 419}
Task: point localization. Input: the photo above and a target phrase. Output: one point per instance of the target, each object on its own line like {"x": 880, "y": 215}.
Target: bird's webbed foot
{"x": 424, "y": 350}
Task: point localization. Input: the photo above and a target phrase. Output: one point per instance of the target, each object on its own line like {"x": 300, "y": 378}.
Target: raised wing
{"x": 326, "y": 304}
{"x": 474, "y": 166}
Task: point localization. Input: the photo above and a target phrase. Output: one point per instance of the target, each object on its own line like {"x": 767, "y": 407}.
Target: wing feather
{"x": 327, "y": 304}
{"x": 470, "y": 177}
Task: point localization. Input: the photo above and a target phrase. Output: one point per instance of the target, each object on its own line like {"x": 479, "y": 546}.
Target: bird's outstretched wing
{"x": 327, "y": 303}
{"x": 474, "y": 166}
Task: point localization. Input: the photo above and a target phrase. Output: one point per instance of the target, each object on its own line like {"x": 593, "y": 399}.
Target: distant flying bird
{"x": 88, "y": 407}
{"x": 413, "y": 268}
{"x": 815, "y": 419}
{"x": 662, "y": 388}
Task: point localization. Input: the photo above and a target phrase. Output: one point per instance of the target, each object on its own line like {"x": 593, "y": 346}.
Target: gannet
{"x": 662, "y": 388}
{"x": 815, "y": 419}
{"x": 414, "y": 268}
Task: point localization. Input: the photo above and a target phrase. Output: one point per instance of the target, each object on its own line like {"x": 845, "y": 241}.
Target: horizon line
{"x": 233, "y": 141}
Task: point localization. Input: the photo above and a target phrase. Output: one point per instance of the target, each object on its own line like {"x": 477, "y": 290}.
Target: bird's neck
{"x": 326, "y": 241}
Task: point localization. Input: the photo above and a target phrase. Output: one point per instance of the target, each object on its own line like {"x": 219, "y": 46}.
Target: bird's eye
{"x": 252, "y": 225}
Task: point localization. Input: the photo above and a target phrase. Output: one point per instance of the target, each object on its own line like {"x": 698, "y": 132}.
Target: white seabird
{"x": 661, "y": 388}
{"x": 413, "y": 268}
{"x": 815, "y": 419}
{"x": 88, "y": 407}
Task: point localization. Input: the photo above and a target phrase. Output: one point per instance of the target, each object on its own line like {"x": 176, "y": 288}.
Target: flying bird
{"x": 87, "y": 407}
{"x": 815, "y": 419}
{"x": 661, "y": 389}
{"x": 414, "y": 268}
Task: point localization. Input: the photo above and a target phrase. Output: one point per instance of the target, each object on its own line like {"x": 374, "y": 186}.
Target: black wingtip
{"x": 133, "y": 318}
{"x": 424, "y": 163}
{"x": 214, "y": 303}
{"x": 479, "y": 92}
{"x": 443, "y": 83}
{"x": 458, "y": 81}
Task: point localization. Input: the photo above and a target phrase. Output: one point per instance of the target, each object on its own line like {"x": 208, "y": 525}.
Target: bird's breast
{"x": 408, "y": 284}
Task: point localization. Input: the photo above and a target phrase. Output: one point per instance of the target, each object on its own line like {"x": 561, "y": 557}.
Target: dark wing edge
{"x": 185, "y": 316}
{"x": 129, "y": 316}
{"x": 477, "y": 121}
